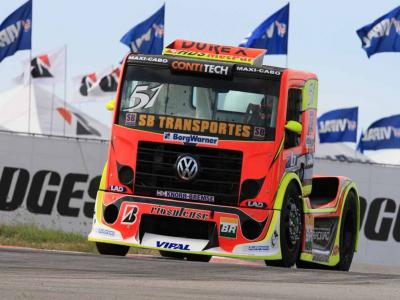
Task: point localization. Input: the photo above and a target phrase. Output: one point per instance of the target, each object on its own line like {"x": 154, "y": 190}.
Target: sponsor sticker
{"x": 134, "y": 57}
{"x": 259, "y": 133}
{"x": 258, "y": 70}
{"x": 320, "y": 258}
{"x": 309, "y": 224}
{"x": 274, "y": 239}
{"x": 228, "y": 227}
{"x": 106, "y": 232}
{"x": 195, "y": 126}
{"x": 174, "y": 246}
{"x": 185, "y": 196}
{"x": 256, "y": 204}
{"x": 117, "y": 188}
{"x": 219, "y": 69}
{"x": 258, "y": 248}
{"x": 129, "y": 216}
{"x": 190, "y": 138}
{"x": 180, "y": 212}
{"x": 130, "y": 119}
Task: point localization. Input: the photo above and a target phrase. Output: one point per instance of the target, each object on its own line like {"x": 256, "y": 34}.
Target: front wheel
{"x": 111, "y": 249}
{"x": 290, "y": 229}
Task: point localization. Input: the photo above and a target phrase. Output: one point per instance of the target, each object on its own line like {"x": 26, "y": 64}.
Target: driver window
{"x": 293, "y": 113}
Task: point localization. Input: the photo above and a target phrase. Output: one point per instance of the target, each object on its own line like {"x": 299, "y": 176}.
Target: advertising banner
{"x": 52, "y": 182}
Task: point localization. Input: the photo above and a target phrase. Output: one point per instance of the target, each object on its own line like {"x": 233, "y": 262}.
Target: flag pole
{"x": 30, "y": 83}
{"x": 52, "y": 110}
{"x": 65, "y": 83}
{"x": 287, "y": 46}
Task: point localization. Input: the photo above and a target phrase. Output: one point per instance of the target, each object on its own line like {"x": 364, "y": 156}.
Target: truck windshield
{"x": 157, "y": 100}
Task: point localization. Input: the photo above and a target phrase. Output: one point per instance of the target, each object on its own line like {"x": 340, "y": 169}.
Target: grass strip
{"x": 32, "y": 236}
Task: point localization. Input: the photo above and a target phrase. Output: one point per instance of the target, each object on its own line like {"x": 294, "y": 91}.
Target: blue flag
{"x": 338, "y": 126}
{"x": 148, "y": 36}
{"x": 16, "y": 31}
{"x": 382, "y": 35}
{"x": 382, "y": 134}
{"x": 272, "y": 34}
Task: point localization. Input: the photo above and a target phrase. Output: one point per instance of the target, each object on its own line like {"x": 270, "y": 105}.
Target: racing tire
{"x": 348, "y": 233}
{"x": 198, "y": 257}
{"x": 174, "y": 255}
{"x": 291, "y": 229}
{"x": 112, "y": 249}
{"x": 347, "y": 241}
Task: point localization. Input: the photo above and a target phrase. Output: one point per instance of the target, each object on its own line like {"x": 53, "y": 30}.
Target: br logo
{"x": 130, "y": 213}
{"x": 228, "y": 227}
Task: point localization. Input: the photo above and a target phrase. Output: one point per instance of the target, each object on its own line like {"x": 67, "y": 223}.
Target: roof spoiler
{"x": 200, "y": 50}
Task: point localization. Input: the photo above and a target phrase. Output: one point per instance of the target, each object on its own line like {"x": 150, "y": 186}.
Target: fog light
{"x": 125, "y": 175}
{"x": 110, "y": 213}
{"x": 250, "y": 188}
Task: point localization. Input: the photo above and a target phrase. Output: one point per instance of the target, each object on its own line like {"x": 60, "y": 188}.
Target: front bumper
{"x": 198, "y": 228}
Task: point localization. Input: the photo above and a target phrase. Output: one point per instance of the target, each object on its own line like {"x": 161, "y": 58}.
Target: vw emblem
{"x": 187, "y": 167}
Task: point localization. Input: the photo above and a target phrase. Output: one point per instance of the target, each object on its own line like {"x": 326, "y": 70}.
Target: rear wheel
{"x": 174, "y": 255}
{"x": 290, "y": 229}
{"x": 348, "y": 233}
{"x": 111, "y": 249}
{"x": 347, "y": 242}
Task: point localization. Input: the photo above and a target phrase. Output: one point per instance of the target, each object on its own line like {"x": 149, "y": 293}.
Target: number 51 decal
{"x": 141, "y": 93}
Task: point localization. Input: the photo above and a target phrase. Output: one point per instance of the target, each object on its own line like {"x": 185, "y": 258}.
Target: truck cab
{"x": 212, "y": 153}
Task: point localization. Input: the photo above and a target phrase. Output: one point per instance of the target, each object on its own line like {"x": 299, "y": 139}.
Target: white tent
{"x": 47, "y": 115}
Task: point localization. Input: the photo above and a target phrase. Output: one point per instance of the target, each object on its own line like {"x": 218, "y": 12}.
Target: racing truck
{"x": 212, "y": 154}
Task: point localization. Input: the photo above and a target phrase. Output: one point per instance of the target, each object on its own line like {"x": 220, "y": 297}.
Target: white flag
{"x": 94, "y": 86}
{"x": 47, "y": 68}
{"x": 107, "y": 83}
{"x": 81, "y": 86}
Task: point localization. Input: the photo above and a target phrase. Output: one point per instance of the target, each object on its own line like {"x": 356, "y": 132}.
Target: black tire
{"x": 348, "y": 231}
{"x": 290, "y": 232}
{"x": 174, "y": 255}
{"x": 198, "y": 257}
{"x": 112, "y": 249}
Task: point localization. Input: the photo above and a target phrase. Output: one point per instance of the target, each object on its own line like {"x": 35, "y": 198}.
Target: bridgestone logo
{"x": 185, "y": 196}
{"x": 190, "y": 138}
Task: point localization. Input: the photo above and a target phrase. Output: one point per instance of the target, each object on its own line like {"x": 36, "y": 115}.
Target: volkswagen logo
{"x": 187, "y": 167}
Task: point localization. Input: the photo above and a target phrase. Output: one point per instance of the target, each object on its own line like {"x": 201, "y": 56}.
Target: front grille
{"x": 219, "y": 174}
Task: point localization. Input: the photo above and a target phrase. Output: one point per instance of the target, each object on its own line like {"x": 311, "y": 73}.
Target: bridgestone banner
{"x": 52, "y": 182}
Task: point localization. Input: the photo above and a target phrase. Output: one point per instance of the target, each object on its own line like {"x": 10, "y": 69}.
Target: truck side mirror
{"x": 294, "y": 126}
{"x": 110, "y": 105}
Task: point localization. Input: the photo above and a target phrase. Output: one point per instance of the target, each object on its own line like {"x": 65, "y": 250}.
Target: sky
{"x": 322, "y": 39}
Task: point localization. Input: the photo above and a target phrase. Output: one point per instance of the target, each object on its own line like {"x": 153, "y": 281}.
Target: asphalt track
{"x": 33, "y": 274}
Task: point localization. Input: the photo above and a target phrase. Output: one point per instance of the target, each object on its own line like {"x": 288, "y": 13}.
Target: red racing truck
{"x": 212, "y": 154}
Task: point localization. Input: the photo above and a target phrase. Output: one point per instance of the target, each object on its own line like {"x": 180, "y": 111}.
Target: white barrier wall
{"x": 49, "y": 181}
{"x": 380, "y": 207}
{"x": 52, "y": 182}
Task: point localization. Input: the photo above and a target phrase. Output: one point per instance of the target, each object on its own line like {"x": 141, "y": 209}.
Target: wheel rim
{"x": 293, "y": 224}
